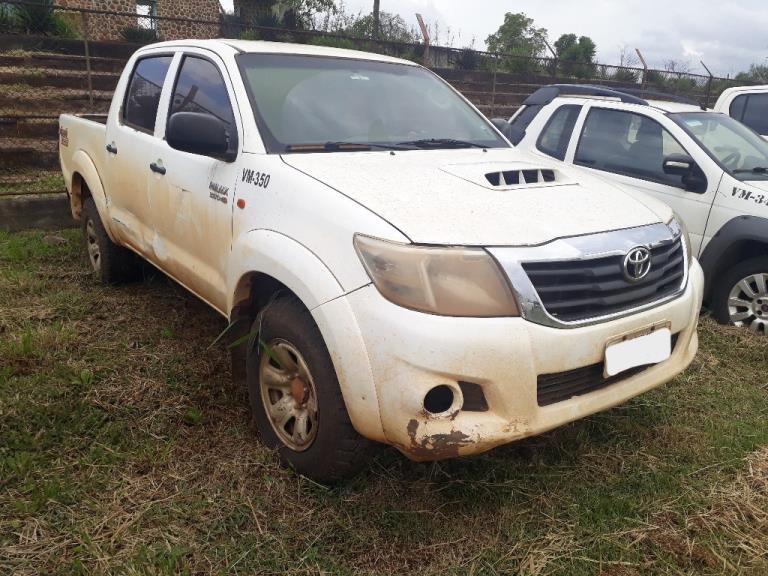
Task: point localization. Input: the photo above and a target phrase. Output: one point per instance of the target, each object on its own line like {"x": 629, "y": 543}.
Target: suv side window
{"x": 627, "y": 143}
{"x": 200, "y": 88}
{"x": 755, "y": 114}
{"x": 556, "y": 135}
{"x": 143, "y": 96}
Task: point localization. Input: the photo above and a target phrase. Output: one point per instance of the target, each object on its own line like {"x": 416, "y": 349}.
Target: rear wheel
{"x": 296, "y": 402}
{"x": 110, "y": 263}
{"x": 741, "y": 296}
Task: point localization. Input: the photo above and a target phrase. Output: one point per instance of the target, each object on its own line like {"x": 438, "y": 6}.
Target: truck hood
{"x": 473, "y": 197}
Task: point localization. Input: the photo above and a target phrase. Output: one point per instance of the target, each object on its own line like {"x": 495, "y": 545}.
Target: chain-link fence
{"x": 58, "y": 57}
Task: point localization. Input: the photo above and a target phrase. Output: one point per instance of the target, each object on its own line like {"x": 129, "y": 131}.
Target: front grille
{"x": 553, "y": 388}
{"x": 573, "y": 290}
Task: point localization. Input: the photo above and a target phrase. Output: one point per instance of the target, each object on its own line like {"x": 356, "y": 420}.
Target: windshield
{"x": 310, "y": 104}
{"x": 737, "y": 148}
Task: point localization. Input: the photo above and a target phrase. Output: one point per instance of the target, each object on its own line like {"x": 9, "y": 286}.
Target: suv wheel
{"x": 741, "y": 296}
{"x": 110, "y": 263}
{"x": 296, "y": 402}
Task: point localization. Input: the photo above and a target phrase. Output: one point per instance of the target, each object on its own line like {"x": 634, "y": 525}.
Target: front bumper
{"x": 410, "y": 353}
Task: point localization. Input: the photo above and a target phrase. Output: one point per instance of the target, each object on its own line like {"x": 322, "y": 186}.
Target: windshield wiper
{"x": 427, "y": 143}
{"x": 755, "y": 170}
{"x": 344, "y": 147}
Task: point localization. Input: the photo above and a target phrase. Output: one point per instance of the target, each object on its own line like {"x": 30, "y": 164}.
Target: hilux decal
{"x": 218, "y": 192}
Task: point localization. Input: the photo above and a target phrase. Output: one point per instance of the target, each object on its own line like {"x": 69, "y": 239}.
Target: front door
{"x": 191, "y": 196}
{"x": 630, "y": 148}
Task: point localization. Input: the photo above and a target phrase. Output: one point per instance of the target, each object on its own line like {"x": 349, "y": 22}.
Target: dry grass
{"x": 124, "y": 448}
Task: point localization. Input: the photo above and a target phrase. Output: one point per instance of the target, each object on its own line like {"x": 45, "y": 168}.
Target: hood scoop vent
{"x": 520, "y": 178}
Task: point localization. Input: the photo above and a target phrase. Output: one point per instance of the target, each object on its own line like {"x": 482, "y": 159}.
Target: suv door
{"x": 751, "y": 110}
{"x": 192, "y": 195}
{"x": 629, "y": 148}
{"x": 130, "y": 139}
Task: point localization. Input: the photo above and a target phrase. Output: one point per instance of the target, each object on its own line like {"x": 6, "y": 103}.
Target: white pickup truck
{"x": 748, "y": 105}
{"x": 399, "y": 273}
{"x": 711, "y": 169}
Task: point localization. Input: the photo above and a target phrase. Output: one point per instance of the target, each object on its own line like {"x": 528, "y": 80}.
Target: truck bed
{"x": 84, "y": 134}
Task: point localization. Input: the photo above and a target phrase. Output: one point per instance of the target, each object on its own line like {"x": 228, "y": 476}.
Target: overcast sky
{"x": 727, "y": 36}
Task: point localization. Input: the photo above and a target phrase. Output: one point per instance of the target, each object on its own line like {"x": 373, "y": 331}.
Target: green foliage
{"x": 467, "y": 59}
{"x": 626, "y": 75}
{"x": 518, "y": 36}
{"x": 8, "y": 23}
{"x": 392, "y": 28}
{"x": 40, "y": 18}
{"x": 138, "y": 35}
{"x": 758, "y": 73}
{"x": 334, "y": 42}
{"x": 576, "y": 55}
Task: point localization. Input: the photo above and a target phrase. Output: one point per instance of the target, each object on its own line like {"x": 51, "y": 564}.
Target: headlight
{"x": 678, "y": 228}
{"x": 444, "y": 281}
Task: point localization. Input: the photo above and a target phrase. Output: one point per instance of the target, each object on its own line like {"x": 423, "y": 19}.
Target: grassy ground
{"x": 124, "y": 448}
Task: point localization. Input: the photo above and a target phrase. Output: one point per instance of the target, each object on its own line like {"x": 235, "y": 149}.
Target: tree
{"x": 757, "y": 73}
{"x": 391, "y": 27}
{"x": 286, "y": 13}
{"x": 576, "y": 55}
{"x": 518, "y": 36}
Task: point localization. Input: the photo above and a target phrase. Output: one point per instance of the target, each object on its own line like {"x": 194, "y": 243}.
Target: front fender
{"x": 302, "y": 272}
{"x": 717, "y": 256}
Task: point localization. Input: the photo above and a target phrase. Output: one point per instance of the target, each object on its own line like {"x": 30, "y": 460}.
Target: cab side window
{"x": 627, "y": 143}
{"x": 752, "y": 110}
{"x": 200, "y": 88}
{"x": 556, "y": 135}
{"x": 143, "y": 96}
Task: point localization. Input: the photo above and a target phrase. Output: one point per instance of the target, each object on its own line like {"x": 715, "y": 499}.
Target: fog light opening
{"x": 439, "y": 399}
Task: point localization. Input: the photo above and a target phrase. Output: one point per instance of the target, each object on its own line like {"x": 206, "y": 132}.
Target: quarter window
{"x": 200, "y": 88}
{"x": 557, "y": 133}
{"x": 627, "y": 143}
{"x": 144, "y": 89}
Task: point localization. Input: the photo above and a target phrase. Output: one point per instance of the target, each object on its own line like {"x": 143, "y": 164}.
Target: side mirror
{"x": 201, "y": 134}
{"x": 511, "y": 133}
{"x": 693, "y": 177}
{"x": 678, "y": 165}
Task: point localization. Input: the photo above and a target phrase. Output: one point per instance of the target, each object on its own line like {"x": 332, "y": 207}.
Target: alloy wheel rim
{"x": 92, "y": 242}
{"x": 288, "y": 394}
{"x": 748, "y": 303}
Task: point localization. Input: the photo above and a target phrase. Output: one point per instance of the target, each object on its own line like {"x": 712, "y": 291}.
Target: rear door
{"x": 751, "y": 110}
{"x": 192, "y": 195}
{"x": 130, "y": 138}
{"x": 628, "y": 147}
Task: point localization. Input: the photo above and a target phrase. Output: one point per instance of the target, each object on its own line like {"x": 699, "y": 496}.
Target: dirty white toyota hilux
{"x": 405, "y": 275}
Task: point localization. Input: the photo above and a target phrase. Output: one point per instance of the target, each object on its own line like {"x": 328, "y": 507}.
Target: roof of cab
{"x": 263, "y": 47}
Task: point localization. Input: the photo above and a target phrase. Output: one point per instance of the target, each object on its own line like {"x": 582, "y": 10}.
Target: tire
{"x": 110, "y": 263}
{"x": 325, "y": 448}
{"x": 740, "y": 297}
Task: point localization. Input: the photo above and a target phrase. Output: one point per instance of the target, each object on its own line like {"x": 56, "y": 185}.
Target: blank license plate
{"x": 642, "y": 350}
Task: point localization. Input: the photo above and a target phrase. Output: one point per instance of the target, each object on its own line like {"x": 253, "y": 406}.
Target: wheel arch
{"x": 268, "y": 263}
{"x": 739, "y": 239}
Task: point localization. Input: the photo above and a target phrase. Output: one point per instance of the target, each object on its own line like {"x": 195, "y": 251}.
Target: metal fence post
{"x": 493, "y": 90}
{"x": 84, "y": 17}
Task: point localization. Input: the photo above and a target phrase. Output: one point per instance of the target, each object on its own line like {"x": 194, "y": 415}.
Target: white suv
{"x": 711, "y": 169}
{"x": 747, "y": 104}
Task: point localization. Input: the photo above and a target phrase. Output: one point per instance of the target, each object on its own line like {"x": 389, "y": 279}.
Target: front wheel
{"x": 741, "y": 296}
{"x": 296, "y": 402}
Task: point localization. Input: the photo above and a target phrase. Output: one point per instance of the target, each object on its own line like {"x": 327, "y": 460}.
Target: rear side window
{"x": 143, "y": 96}
{"x": 557, "y": 133}
{"x": 200, "y": 88}
{"x": 756, "y": 113}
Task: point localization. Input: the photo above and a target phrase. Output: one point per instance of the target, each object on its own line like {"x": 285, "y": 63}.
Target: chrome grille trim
{"x": 580, "y": 249}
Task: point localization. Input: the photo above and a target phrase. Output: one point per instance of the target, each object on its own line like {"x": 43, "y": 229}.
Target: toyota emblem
{"x": 637, "y": 264}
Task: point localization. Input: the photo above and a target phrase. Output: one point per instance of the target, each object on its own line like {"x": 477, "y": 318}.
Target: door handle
{"x": 155, "y": 167}
{"x": 111, "y": 148}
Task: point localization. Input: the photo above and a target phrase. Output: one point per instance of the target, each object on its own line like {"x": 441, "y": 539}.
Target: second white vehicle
{"x": 748, "y": 105}
{"x": 711, "y": 169}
